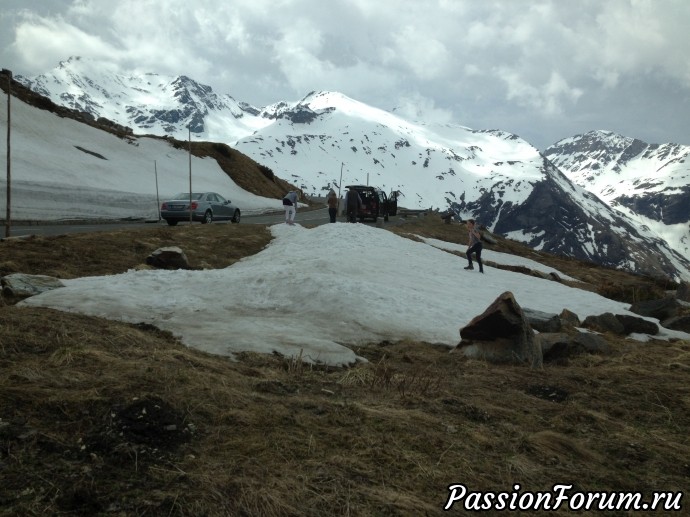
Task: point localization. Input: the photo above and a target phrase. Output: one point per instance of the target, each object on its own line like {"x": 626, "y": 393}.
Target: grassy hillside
{"x": 105, "y": 418}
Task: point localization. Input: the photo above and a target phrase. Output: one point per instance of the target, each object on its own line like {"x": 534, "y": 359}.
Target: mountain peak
{"x": 327, "y": 138}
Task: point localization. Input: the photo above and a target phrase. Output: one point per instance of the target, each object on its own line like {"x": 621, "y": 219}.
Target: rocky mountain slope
{"x": 650, "y": 183}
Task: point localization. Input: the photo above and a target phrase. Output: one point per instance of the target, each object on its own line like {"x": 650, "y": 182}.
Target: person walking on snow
{"x": 474, "y": 246}
{"x": 290, "y": 204}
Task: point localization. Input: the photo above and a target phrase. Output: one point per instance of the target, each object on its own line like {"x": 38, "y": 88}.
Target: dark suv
{"x": 375, "y": 202}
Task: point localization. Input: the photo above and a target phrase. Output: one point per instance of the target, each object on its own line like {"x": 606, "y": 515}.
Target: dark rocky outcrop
{"x": 505, "y": 333}
{"x": 622, "y": 324}
{"x": 501, "y": 334}
{"x": 661, "y": 309}
{"x": 681, "y": 323}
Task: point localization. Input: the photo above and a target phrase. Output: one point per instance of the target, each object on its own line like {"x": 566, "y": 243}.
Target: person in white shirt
{"x": 290, "y": 204}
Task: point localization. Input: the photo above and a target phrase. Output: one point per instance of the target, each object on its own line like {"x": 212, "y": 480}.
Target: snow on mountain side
{"x": 432, "y": 165}
{"x": 649, "y": 183}
{"x": 65, "y": 169}
{"x": 150, "y": 103}
{"x": 493, "y": 176}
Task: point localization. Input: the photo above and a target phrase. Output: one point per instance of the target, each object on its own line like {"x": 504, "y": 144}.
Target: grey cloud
{"x": 544, "y": 69}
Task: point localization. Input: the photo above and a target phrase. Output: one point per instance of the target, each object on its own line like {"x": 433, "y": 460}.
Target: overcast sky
{"x": 543, "y": 69}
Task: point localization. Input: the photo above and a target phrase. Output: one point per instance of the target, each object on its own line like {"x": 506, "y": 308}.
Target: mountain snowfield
{"x": 493, "y": 176}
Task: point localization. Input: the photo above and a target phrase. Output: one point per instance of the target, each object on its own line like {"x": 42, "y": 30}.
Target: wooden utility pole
{"x": 340, "y": 184}
{"x": 8, "y": 216}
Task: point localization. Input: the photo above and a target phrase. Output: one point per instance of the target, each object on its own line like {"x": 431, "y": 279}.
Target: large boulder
{"x": 170, "y": 257}
{"x": 501, "y": 334}
{"x": 606, "y": 322}
{"x": 661, "y": 309}
{"x": 635, "y": 325}
{"x": 20, "y": 285}
{"x": 681, "y": 323}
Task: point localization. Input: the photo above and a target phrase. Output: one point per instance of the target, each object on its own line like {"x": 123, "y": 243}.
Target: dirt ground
{"x": 104, "y": 418}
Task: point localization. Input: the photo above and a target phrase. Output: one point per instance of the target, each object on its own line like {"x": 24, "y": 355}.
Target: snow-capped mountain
{"x": 149, "y": 103}
{"x": 649, "y": 183}
{"x": 493, "y": 176}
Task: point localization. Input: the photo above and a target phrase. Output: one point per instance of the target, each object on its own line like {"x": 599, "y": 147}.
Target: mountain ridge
{"x": 327, "y": 139}
{"x": 649, "y": 183}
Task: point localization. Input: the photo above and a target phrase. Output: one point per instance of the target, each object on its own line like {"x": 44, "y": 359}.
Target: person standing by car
{"x": 290, "y": 204}
{"x": 474, "y": 245}
{"x": 332, "y": 201}
{"x": 353, "y": 204}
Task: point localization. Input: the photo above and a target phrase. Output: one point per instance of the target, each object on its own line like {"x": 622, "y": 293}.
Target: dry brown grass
{"x": 211, "y": 246}
{"x": 99, "y": 417}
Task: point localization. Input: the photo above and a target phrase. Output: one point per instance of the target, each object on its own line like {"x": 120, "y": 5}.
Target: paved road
{"x": 308, "y": 217}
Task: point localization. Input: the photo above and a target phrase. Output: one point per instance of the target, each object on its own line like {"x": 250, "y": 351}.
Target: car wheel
{"x": 171, "y": 222}
{"x": 236, "y": 217}
{"x": 208, "y": 217}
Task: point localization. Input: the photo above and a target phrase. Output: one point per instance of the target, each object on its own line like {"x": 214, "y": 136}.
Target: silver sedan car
{"x": 206, "y": 208}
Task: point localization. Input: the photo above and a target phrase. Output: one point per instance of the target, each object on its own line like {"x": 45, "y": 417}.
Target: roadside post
{"x": 158, "y": 201}
{"x": 8, "y": 216}
{"x": 189, "y": 127}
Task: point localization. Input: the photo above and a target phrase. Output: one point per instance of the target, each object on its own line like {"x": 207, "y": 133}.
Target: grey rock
{"x": 559, "y": 347}
{"x": 569, "y": 318}
{"x": 170, "y": 257}
{"x": 592, "y": 343}
{"x": 681, "y": 323}
{"x": 661, "y": 309}
{"x": 21, "y": 285}
{"x": 543, "y": 321}
{"x": 606, "y": 322}
{"x": 633, "y": 324}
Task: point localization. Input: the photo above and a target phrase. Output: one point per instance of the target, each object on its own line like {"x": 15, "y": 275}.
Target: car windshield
{"x": 185, "y": 195}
